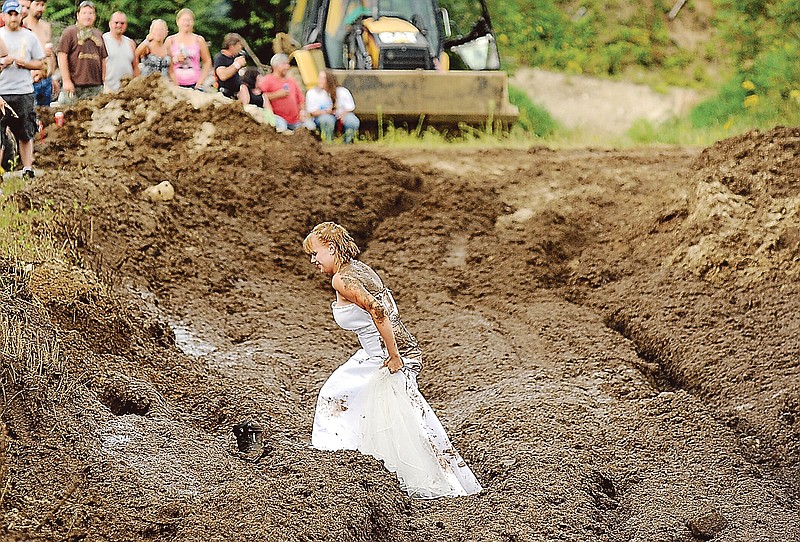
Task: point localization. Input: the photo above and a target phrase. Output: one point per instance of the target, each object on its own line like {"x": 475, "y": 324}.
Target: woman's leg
{"x": 325, "y": 124}
{"x": 351, "y": 125}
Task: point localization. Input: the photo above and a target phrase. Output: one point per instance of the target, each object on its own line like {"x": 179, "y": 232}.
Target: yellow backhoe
{"x": 395, "y": 57}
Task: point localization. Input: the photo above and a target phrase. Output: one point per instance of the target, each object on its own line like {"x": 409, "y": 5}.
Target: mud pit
{"x": 611, "y": 337}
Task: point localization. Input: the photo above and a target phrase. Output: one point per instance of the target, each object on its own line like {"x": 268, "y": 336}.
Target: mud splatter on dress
{"x": 365, "y": 407}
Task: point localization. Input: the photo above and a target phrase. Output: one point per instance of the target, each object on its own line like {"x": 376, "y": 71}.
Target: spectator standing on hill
{"x": 42, "y": 79}
{"x": 329, "y": 103}
{"x": 227, "y": 64}
{"x": 191, "y": 60}
{"x": 284, "y": 96}
{"x": 82, "y": 57}
{"x": 121, "y": 52}
{"x": 24, "y": 8}
{"x": 16, "y": 82}
{"x": 152, "y": 55}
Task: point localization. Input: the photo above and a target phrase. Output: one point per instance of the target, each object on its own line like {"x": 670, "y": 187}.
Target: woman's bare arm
{"x": 352, "y": 289}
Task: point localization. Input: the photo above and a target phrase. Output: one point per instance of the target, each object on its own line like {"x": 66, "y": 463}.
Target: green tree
{"x": 211, "y": 16}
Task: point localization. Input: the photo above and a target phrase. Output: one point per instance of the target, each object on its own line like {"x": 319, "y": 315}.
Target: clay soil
{"x": 611, "y": 337}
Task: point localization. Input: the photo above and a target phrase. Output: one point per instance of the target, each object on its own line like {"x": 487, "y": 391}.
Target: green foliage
{"x": 764, "y": 89}
{"x": 262, "y": 19}
{"x": 592, "y": 37}
{"x": 211, "y": 16}
{"x": 532, "y": 119}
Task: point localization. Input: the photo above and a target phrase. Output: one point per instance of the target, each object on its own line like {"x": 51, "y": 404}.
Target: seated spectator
{"x": 227, "y": 64}
{"x": 329, "y": 104}
{"x": 152, "y": 55}
{"x": 249, "y": 93}
{"x": 284, "y": 96}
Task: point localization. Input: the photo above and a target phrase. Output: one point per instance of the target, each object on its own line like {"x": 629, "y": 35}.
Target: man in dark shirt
{"x": 227, "y": 64}
{"x": 82, "y": 57}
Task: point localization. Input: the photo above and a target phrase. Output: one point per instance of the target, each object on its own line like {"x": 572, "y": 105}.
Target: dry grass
{"x": 31, "y": 369}
{"x": 24, "y": 236}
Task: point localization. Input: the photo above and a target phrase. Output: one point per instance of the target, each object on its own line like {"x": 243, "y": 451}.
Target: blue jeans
{"x": 327, "y": 125}
{"x": 281, "y": 125}
{"x": 43, "y": 91}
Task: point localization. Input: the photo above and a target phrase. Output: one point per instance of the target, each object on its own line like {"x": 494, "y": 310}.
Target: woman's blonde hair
{"x": 154, "y": 22}
{"x": 184, "y": 11}
{"x": 330, "y": 233}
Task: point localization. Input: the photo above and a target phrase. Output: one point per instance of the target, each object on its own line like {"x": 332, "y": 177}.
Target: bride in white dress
{"x": 371, "y": 403}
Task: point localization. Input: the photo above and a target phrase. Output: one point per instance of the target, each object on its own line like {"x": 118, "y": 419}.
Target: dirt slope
{"x": 601, "y": 335}
{"x": 601, "y": 108}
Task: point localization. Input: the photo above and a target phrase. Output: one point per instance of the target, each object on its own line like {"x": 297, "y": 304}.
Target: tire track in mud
{"x": 658, "y": 351}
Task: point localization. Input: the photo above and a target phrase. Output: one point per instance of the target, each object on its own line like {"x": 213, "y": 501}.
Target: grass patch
{"x": 24, "y": 236}
{"x": 533, "y": 120}
{"x": 532, "y": 127}
{"x": 678, "y": 132}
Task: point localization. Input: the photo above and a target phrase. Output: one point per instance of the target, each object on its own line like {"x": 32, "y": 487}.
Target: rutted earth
{"x": 611, "y": 337}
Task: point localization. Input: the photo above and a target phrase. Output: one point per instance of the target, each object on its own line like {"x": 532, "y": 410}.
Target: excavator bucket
{"x": 437, "y": 98}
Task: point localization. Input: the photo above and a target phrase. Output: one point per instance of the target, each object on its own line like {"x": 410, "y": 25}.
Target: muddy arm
{"x": 352, "y": 290}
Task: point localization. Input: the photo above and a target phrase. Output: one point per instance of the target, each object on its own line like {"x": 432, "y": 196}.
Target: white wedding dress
{"x": 365, "y": 407}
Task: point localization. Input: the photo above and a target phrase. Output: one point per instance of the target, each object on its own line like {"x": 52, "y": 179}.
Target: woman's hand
{"x": 394, "y": 363}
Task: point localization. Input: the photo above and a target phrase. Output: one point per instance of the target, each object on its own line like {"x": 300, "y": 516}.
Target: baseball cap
{"x": 11, "y": 5}
{"x": 83, "y": 4}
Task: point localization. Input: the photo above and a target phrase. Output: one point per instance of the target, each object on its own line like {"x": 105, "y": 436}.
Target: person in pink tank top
{"x": 191, "y": 59}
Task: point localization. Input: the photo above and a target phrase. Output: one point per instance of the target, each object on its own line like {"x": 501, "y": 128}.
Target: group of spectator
{"x": 89, "y": 62}
{"x": 321, "y": 108}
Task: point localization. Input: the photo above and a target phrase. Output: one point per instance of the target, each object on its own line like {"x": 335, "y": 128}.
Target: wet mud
{"x": 610, "y": 336}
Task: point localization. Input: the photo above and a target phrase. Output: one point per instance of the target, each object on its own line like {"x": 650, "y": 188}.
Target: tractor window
{"x": 304, "y": 20}
{"x": 420, "y": 14}
{"x": 341, "y": 13}
{"x": 463, "y": 14}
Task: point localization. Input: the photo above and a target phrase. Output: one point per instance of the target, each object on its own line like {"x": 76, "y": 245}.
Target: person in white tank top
{"x": 121, "y": 53}
{"x": 371, "y": 403}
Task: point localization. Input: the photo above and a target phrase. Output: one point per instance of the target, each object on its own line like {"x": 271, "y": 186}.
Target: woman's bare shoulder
{"x": 362, "y": 273}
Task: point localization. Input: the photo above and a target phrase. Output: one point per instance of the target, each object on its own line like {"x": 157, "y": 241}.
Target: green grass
{"x": 533, "y": 120}
{"x": 23, "y": 239}
{"x": 533, "y": 126}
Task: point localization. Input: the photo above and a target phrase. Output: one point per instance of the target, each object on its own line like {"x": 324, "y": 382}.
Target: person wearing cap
{"x": 285, "y": 96}
{"x": 82, "y": 57}
{"x": 16, "y": 82}
{"x": 121, "y": 49}
{"x": 42, "y": 80}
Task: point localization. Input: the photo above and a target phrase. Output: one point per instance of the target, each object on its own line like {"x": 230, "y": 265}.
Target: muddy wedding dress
{"x": 365, "y": 407}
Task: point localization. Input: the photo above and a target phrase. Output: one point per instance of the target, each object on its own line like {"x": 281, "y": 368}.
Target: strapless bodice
{"x": 353, "y": 318}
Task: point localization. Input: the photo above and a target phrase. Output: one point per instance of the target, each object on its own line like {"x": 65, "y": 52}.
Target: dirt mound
{"x": 744, "y": 209}
{"x": 224, "y": 166}
{"x": 597, "y": 393}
